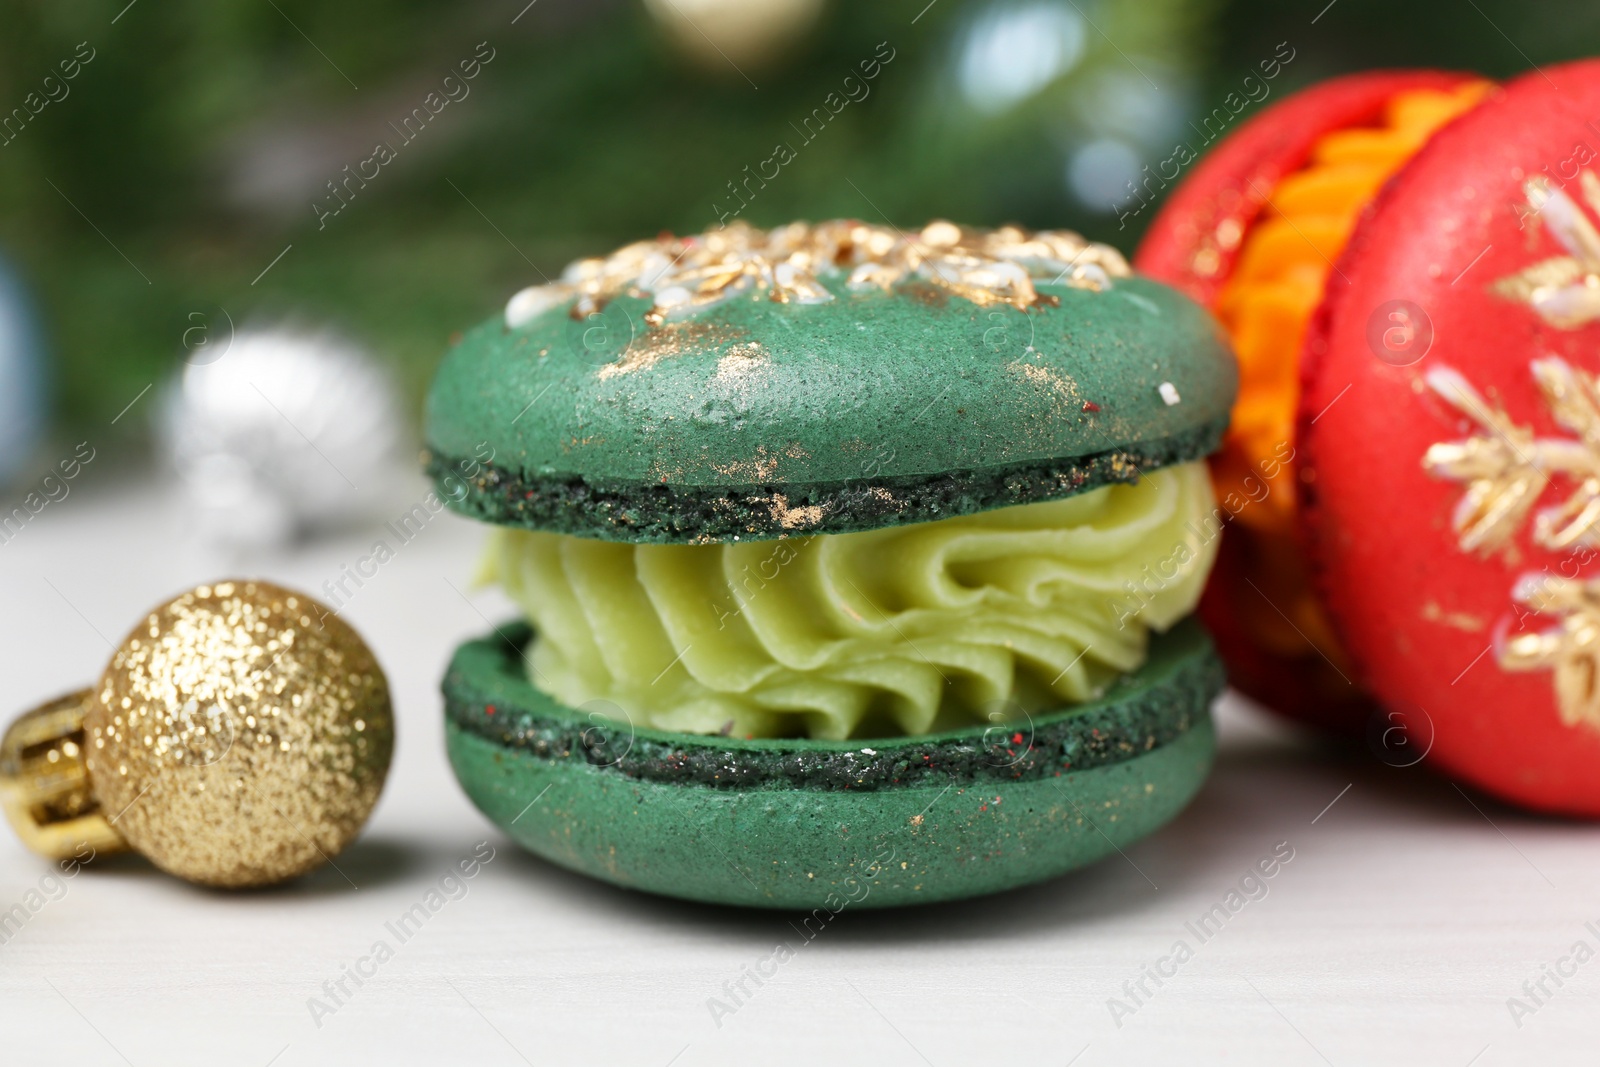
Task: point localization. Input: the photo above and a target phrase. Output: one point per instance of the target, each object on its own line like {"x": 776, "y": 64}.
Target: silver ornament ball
{"x": 278, "y": 432}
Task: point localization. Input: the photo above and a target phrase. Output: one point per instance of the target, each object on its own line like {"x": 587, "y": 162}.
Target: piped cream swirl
{"x": 902, "y": 630}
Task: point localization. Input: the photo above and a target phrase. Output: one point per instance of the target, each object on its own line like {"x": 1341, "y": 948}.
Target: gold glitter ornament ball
{"x": 240, "y": 735}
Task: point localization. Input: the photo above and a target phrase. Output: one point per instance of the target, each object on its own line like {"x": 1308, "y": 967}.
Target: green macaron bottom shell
{"x": 822, "y": 825}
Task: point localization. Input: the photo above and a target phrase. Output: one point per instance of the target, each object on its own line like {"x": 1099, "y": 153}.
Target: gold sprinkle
{"x": 1460, "y": 620}
{"x": 1058, "y": 383}
{"x": 761, "y": 468}
{"x": 797, "y": 518}
{"x": 668, "y": 340}
{"x": 686, "y": 275}
{"x": 740, "y": 362}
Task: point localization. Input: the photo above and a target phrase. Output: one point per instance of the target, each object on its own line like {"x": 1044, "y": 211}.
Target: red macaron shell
{"x": 1195, "y": 238}
{"x": 1193, "y": 244}
{"x": 1427, "y": 620}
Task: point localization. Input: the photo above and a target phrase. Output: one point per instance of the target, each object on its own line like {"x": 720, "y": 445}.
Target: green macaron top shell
{"x": 755, "y": 418}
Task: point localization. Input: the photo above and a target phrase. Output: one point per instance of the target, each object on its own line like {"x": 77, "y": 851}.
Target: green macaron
{"x": 856, "y": 564}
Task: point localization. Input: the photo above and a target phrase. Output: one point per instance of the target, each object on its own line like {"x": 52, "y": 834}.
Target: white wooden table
{"x": 1398, "y": 932}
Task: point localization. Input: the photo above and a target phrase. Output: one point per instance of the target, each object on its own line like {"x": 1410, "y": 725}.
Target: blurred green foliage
{"x": 189, "y": 152}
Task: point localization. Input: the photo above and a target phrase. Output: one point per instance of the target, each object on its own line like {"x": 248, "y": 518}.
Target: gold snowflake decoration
{"x": 685, "y": 275}
{"x": 1564, "y": 290}
{"x": 1571, "y": 650}
{"x": 1506, "y": 468}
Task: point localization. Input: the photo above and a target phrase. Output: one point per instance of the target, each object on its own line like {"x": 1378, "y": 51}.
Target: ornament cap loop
{"x": 44, "y": 782}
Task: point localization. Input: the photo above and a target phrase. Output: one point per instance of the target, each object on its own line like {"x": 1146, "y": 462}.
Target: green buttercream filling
{"x": 902, "y": 630}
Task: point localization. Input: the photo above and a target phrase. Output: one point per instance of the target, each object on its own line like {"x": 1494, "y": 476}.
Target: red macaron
{"x": 1442, "y": 432}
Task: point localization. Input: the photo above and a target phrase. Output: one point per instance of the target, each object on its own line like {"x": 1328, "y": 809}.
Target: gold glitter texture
{"x": 674, "y": 339}
{"x": 241, "y": 735}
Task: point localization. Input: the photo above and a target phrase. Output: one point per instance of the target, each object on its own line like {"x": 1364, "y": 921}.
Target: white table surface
{"x": 1397, "y": 933}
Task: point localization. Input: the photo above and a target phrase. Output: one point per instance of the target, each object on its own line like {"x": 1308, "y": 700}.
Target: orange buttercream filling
{"x": 1276, "y": 284}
